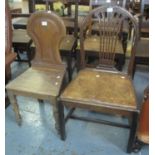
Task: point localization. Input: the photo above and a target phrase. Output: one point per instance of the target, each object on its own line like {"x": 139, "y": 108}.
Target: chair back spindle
{"x": 108, "y": 23}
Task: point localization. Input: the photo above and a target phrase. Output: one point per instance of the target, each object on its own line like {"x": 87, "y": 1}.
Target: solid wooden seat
{"x": 38, "y": 81}
{"x": 45, "y": 78}
{"x": 117, "y": 90}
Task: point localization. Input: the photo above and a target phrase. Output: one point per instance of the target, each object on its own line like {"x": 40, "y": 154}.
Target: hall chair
{"x": 69, "y": 43}
{"x": 45, "y": 78}
{"x": 103, "y": 88}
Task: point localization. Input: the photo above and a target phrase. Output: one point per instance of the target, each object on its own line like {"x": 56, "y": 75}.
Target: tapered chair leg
{"x": 55, "y": 114}
{"x": 132, "y": 135}
{"x": 13, "y": 101}
{"x": 61, "y": 121}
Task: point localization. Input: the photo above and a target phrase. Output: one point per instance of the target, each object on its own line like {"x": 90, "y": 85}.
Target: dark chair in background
{"x": 104, "y": 89}
{"x": 142, "y": 52}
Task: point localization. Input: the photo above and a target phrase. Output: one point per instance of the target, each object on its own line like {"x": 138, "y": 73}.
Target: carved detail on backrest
{"x": 46, "y": 30}
{"x": 108, "y": 21}
{"x": 8, "y": 30}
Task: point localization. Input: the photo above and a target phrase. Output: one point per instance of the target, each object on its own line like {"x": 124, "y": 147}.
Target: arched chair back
{"x": 109, "y": 21}
{"x": 47, "y": 31}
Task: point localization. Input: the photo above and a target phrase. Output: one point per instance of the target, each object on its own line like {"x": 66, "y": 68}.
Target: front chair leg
{"x": 132, "y": 135}
{"x": 13, "y": 101}
{"x": 61, "y": 120}
{"x": 55, "y": 113}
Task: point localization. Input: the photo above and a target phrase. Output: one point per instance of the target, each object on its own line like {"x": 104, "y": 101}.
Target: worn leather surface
{"x": 101, "y": 88}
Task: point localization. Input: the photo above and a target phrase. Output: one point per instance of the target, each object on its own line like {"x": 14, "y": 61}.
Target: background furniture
{"x": 142, "y": 52}
{"x": 21, "y": 43}
{"x": 143, "y": 125}
{"x": 143, "y": 128}
{"x": 9, "y": 55}
{"x": 103, "y": 89}
{"x": 44, "y": 79}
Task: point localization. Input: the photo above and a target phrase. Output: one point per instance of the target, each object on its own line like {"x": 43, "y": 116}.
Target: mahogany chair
{"x": 44, "y": 79}
{"x": 9, "y": 55}
{"x": 103, "y": 89}
{"x": 143, "y": 124}
{"x": 143, "y": 127}
{"x": 69, "y": 43}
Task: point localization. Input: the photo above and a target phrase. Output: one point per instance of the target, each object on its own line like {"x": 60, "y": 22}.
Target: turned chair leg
{"x": 13, "y": 101}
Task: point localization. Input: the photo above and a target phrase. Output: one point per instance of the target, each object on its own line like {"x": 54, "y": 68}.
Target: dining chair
{"x": 45, "y": 78}
{"x": 103, "y": 88}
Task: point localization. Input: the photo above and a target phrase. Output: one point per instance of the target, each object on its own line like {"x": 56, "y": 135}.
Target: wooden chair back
{"x": 47, "y": 31}
{"x": 109, "y": 22}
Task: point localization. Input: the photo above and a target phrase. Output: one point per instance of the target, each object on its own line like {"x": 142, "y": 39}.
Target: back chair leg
{"x": 61, "y": 121}
{"x": 132, "y": 135}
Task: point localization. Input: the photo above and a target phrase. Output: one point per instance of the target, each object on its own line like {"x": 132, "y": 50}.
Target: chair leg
{"x": 61, "y": 121}
{"x": 29, "y": 56}
{"x": 132, "y": 135}
{"x": 69, "y": 65}
{"x": 13, "y": 101}
{"x": 55, "y": 114}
